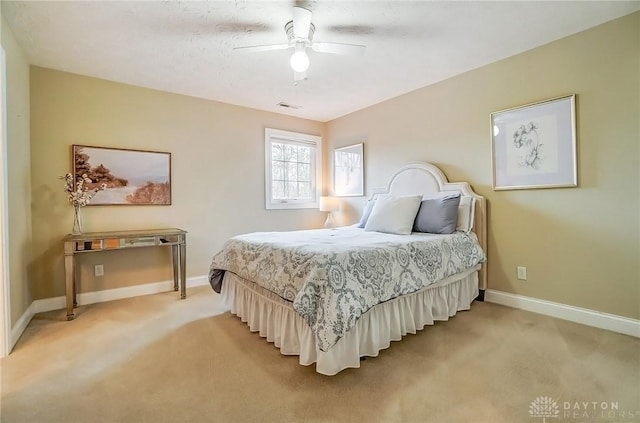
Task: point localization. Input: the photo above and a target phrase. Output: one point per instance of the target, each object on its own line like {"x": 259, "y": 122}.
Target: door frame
{"x": 5, "y": 299}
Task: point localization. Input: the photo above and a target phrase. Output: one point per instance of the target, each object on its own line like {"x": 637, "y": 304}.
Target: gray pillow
{"x": 366, "y": 213}
{"x": 438, "y": 215}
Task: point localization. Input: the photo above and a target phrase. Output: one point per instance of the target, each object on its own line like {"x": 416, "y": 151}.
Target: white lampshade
{"x": 328, "y": 204}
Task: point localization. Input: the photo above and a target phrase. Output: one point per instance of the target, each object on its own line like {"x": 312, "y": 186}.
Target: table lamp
{"x": 329, "y": 204}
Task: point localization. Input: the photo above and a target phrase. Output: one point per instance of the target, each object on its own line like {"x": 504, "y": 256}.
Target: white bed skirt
{"x": 275, "y": 319}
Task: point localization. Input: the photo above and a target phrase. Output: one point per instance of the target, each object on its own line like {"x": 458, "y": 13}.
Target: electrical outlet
{"x": 98, "y": 270}
{"x": 522, "y": 273}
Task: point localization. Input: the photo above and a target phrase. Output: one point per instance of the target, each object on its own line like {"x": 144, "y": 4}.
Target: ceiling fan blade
{"x": 301, "y": 22}
{"x": 263, "y": 48}
{"x": 299, "y": 76}
{"x": 339, "y": 48}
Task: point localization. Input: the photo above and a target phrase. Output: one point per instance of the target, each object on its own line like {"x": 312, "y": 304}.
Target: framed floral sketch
{"x": 132, "y": 177}
{"x": 348, "y": 171}
{"x": 534, "y": 146}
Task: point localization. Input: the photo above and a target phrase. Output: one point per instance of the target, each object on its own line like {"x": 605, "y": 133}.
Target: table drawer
{"x": 138, "y": 241}
{"x": 171, "y": 239}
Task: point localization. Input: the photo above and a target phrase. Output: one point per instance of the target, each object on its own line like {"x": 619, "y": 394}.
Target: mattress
{"x": 332, "y": 277}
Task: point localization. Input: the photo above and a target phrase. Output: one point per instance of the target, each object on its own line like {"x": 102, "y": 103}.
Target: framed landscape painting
{"x": 534, "y": 146}
{"x": 132, "y": 177}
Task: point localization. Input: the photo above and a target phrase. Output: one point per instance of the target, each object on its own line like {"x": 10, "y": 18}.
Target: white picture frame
{"x": 534, "y": 146}
{"x": 348, "y": 171}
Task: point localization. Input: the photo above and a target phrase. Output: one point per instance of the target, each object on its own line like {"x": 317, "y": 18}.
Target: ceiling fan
{"x": 300, "y": 34}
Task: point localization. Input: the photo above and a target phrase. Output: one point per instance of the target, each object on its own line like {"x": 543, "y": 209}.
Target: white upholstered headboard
{"x": 429, "y": 181}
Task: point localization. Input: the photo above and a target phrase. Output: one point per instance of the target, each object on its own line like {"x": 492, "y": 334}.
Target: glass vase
{"x": 77, "y": 221}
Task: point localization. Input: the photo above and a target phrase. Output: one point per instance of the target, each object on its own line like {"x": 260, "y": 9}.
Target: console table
{"x": 91, "y": 242}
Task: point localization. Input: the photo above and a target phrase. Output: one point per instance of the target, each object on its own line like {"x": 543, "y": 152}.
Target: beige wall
{"x": 18, "y": 174}
{"x": 581, "y": 246}
{"x": 217, "y": 175}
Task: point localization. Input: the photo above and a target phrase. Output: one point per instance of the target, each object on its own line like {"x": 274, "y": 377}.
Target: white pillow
{"x": 466, "y": 211}
{"x": 394, "y": 214}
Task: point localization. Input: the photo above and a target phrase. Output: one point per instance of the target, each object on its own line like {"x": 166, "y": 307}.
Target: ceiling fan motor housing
{"x": 292, "y": 38}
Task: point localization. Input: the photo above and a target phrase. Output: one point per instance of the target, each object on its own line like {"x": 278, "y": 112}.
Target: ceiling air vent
{"x": 288, "y": 106}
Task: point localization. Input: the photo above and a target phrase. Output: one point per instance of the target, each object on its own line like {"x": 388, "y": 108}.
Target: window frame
{"x": 276, "y": 135}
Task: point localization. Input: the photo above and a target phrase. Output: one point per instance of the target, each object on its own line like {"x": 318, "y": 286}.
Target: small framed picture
{"x": 132, "y": 177}
{"x": 534, "y": 146}
{"x": 348, "y": 171}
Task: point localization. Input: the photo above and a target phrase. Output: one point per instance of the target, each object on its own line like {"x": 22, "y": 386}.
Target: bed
{"x": 334, "y": 296}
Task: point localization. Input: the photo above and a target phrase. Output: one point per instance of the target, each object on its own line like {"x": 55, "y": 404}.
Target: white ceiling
{"x": 186, "y": 47}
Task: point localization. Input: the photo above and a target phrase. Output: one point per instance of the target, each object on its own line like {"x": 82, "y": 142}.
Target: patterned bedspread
{"x": 333, "y": 276}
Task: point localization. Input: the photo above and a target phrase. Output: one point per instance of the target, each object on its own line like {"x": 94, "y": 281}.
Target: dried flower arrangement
{"x": 79, "y": 195}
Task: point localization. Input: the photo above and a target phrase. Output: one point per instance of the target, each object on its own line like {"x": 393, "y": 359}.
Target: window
{"x": 293, "y": 165}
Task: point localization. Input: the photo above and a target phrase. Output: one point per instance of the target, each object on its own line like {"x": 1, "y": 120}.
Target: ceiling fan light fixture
{"x": 299, "y": 61}
{"x": 300, "y": 33}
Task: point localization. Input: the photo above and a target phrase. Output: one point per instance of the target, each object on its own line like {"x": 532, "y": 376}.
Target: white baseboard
{"x": 584, "y": 316}
{"x": 21, "y": 325}
{"x": 58, "y": 303}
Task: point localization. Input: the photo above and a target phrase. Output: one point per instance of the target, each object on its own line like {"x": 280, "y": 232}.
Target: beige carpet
{"x": 159, "y": 359}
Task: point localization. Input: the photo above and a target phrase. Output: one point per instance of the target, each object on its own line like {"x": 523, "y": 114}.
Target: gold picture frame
{"x": 534, "y": 146}
{"x": 132, "y": 177}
